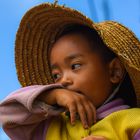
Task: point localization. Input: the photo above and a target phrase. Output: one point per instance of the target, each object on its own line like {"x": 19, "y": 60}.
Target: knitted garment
{"x": 120, "y": 125}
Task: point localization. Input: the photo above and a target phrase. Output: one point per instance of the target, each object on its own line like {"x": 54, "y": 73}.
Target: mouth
{"x": 79, "y": 92}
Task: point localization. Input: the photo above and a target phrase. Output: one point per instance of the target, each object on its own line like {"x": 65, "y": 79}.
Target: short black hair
{"x": 93, "y": 38}
{"x": 126, "y": 91}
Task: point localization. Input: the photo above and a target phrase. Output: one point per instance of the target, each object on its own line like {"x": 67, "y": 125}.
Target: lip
{"x": 78, "y": 91}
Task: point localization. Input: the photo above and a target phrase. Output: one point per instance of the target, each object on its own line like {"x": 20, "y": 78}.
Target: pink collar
{"x": 113, "y": 106}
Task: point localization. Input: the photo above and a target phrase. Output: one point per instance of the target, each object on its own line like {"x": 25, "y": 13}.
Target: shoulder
{"x": 129, "y": 113}
{"x": 128, "y": 119}
{"x": 120, "y": 124}
{"x": 132, "y": 114}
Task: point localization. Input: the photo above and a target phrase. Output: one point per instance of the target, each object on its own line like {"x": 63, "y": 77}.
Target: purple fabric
{"x": 137, "y": 135}
{"x": 21, "y": 113}
{"x": 40, "y": 131}
{"x": 46, "y": 127}
{"x": 111, "y": 107}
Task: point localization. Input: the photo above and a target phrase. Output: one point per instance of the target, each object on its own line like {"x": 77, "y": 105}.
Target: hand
{"x": 94, "y": 138}
{"x": 75, "y": 103}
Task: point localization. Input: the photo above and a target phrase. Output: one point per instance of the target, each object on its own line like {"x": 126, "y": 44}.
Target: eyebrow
{"x": 67, "y": 59}
{"x": 73, "y": 56}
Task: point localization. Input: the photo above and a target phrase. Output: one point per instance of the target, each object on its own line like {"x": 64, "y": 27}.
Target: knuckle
{"x": 78, "y": 99}
{"x": 72, "y": 102}
{"x": 81, "y": 109}
{"x": 73, "y": 109}
{"x": 82, "y": 97}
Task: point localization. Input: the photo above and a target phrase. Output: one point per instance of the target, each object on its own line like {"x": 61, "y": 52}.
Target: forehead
{"x": 70, "y": 47}
{"x": 70, "y": 43}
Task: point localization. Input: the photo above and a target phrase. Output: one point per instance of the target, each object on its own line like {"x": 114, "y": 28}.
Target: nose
{"x": 66, "y": 80}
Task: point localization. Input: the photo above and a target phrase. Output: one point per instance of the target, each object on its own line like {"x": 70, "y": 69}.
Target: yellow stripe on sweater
{"x": 120, "y": 125}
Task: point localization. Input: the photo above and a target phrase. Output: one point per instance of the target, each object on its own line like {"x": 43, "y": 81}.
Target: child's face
{"x": 78, "y": 68}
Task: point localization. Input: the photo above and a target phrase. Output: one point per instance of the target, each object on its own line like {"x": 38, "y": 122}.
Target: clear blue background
{"x": 126, "y": 12}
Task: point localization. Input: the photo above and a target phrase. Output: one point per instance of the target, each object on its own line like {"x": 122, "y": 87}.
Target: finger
{"x": 98, "y": 138}
{"x": 93, "y": 110}
{"x": 73, "y": 109}
{"x": 89, "y": 112}
{"x": 82, "y": 114}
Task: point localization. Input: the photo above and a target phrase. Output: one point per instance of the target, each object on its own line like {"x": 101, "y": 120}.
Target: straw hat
{"x": 37, "y": 32}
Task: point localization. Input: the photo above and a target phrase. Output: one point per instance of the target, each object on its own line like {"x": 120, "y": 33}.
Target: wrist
{"x": 48, "y": 97}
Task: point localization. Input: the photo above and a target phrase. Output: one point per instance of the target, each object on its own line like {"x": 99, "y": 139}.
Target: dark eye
{"x": 75, "y": 66}
{"x": 56, "y": 76}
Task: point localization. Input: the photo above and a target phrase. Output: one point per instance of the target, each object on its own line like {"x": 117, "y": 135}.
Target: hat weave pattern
{"x": 39, "y": 28}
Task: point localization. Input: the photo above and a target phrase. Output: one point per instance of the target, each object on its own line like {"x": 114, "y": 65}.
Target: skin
{"x": 87, "y": 81}
{"x": 78, "y": 68}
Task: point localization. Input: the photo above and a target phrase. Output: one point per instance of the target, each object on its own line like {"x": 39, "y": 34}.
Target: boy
{"x": 89, "y": 80}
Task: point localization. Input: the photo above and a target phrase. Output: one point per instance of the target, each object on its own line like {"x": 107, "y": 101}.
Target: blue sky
{"x": 11, "y": 12}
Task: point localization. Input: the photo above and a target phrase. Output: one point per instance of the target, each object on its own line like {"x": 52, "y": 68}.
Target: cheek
{"x": 95, "y": 78}
{"x": 96, "y": 74}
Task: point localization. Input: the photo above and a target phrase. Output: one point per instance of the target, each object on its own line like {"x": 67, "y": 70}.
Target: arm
{"x": 21, "y": 113}
{"x": 30, "y": 108}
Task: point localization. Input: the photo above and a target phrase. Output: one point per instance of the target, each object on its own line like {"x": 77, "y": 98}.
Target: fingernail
{"x": 73, "y": 123}
{"x": 86, "y": 126}
{"x": 90, "y": 125}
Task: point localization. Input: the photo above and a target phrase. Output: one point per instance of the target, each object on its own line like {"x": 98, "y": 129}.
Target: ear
{"x": 116, "y": 71}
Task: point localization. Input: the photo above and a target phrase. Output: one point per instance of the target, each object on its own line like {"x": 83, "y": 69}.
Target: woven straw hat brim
{"x": 37, "y": 32}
